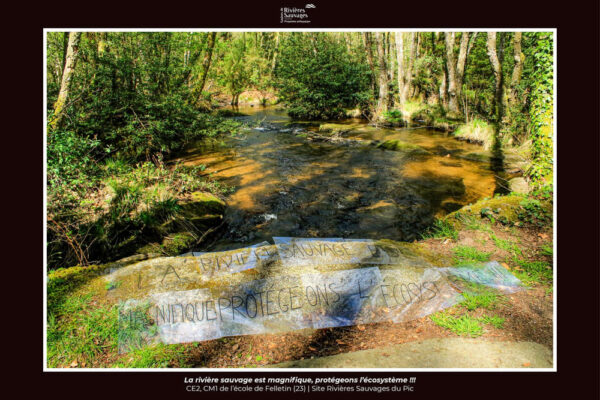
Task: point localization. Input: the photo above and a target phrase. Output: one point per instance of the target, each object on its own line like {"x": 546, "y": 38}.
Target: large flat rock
{"x": 437, "y": 353}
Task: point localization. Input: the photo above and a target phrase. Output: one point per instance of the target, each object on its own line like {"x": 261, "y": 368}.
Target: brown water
{"x": 287, "y": 185}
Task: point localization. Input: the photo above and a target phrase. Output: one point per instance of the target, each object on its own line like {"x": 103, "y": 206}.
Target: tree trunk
{"x": 400, "y": 61}
{"x": 462, "y": 62}
{"x": 408, "y": 88}
{"x": 383, "y": 76}
{"x": 275, "y": 52}
{"x": 519, "y": 58}
{"x": 207, "y": 60}
{"x": 444, "y": 88}
{"x": 497, "y": 67}
{"x": 68, "y": 69}
{"x": 370, "y": 59}
{"x": 456, "y": 68}
{"x": 451, "y": 66}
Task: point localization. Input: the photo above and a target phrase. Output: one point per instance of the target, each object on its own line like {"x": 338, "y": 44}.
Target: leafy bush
{"x": 127, "y": 207}
{"x": 393, "y": 117}
{"x": 319, "y": 79}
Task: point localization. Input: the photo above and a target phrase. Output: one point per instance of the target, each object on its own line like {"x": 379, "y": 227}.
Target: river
{"x": 288, "y": 185}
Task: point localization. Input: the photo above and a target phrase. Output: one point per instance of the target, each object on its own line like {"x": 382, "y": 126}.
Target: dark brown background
{"x": 578, "y": 202}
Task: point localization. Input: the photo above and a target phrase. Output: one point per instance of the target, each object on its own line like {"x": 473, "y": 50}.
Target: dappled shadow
{"x": 288, "y": 186}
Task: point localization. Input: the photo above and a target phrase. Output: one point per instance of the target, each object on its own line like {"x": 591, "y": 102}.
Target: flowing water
{"x": 288, "y": 185}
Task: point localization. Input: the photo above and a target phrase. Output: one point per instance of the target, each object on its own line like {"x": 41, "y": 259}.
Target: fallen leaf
{"x": 505, "y": 265}
{"x": 73, "y": 364}
{"x": 340, "y": 342}
{"x": 360, "y": 327}
{"x": 527, "y": 364}
{"x": 312, "y": 348}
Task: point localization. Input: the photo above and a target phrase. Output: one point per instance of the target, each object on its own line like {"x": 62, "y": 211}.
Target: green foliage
{"x": 467, "y": 254}
{"x": 547, "y": 250}
{"x": 78, "y": 331}
{"x": 533, "y": 212}
{"x": 542, "y": 110}
{"x": 484, "y": 299}
{"x": 130, "y": 206}
{"x": 393, "y": 117}
{"x": 494, "y": 320}
{"x": 441, "y": 229}
{"x": 70, "y": 163}
{"x": 464, "y": 325}
{"x": 506, "y": 245}
{"x": 471, "y": 222}
{"x": 533, "y": 272}
{"x": 318, "y": 79}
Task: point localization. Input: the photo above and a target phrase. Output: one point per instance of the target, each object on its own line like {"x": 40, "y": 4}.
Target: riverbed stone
{"x": 518, "y": 185}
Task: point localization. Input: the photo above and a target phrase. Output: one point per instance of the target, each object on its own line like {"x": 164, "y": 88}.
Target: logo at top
{"x": 310, "y": 5}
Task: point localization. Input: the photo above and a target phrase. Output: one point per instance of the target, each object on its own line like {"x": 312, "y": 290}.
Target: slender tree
{"x": 212, "y": 39}
{"x": 456, "y": 68}
{"x": 67, "y": 75}
{"x": 498, "y": 80}
{"x": 519, "y": 58}
{"x": 382, "y": 99}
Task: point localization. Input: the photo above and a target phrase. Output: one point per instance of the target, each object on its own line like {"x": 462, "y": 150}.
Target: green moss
{"x": 205, "y": 203}
{"x": 178, "y": 243}
{"x": 335, "y": 128}
{"x": 503, "y": 208}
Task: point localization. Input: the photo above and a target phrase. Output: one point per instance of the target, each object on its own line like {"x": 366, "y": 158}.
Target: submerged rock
{"x": 399, "y": 145}
{"x": 335, "y": 128}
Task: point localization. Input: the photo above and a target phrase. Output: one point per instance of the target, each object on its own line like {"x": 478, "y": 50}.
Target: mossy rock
{"x": 335, "y": 128}
{"x": 203, "y": 203}
{"x": 505, "y": 209}
{"x": 178, "y": 243}
{"x": 399, "y": 145}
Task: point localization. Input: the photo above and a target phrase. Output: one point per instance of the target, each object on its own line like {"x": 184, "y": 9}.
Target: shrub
{"x": 320, "y": 79}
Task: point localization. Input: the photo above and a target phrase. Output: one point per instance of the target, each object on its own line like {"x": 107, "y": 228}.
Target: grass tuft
{"x": 477, "y": 131}
{"x": 464, "y": 325}
{"x": 486, "y": 299}
{"x": 440, "y": 229}
{"x": 467, "y": 255}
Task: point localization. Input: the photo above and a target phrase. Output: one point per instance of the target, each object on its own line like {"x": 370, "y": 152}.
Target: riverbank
{"x": 513, "y": 230}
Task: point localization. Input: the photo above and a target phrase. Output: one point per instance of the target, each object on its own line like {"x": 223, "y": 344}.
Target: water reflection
{"x": 287, "y": 185}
